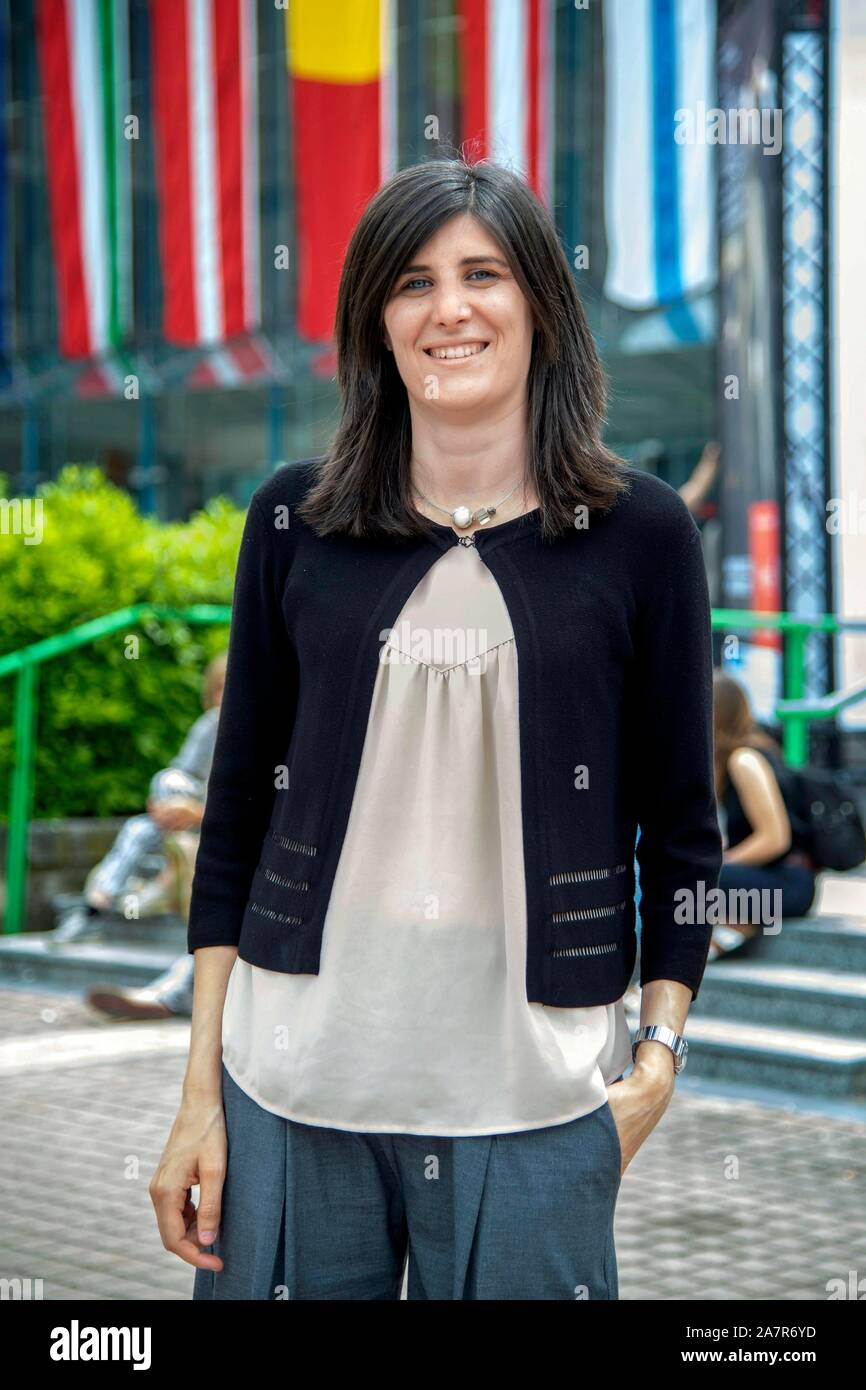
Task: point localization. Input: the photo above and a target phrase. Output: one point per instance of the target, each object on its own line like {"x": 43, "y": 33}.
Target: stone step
{"x": 161, "y": 929}
{"x": 841, "y": 895}
{"x": 785, "y": 1059}
{"x": 167, "y": 930}
{"x": 831, "y": 943}
{"x": 28, "y": 960}
{"x": 783, "y": 996}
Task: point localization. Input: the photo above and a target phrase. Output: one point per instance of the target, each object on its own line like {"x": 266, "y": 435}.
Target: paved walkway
{"x": 728, "y": 1199}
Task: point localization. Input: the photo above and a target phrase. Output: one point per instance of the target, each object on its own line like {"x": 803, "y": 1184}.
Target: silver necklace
{"x": 464, "y": 516}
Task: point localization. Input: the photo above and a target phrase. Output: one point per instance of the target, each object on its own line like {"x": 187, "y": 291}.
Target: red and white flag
{"x": 233, "y": 364}
{"x": 205, "y": 96}
{"x": 507, "y": 81}
{"x": 83, "y": 48}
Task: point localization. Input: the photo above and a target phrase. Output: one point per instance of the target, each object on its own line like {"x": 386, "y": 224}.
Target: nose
{"x": 450, "y": 303}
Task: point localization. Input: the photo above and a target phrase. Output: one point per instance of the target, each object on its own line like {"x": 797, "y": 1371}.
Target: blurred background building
{"x": 179, "y": 178}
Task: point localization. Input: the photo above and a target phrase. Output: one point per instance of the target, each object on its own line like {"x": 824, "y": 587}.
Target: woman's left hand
{"x": 638, "y": 1102}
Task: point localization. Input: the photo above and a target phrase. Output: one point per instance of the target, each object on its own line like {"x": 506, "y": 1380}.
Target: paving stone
{"x": 790, "y": 1221}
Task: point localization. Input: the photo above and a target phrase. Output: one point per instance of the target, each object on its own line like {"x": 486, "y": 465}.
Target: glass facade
{"x": 175, "y": 445}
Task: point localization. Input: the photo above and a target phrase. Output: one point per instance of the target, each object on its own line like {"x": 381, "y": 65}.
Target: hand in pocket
{"x": 637, "y": 1103}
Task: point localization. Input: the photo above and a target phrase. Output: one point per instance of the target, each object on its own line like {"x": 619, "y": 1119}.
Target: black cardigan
{"x": 612, "y": 633}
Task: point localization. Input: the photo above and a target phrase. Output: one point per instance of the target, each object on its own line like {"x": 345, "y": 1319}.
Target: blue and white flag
{"x": 660, "y": 190}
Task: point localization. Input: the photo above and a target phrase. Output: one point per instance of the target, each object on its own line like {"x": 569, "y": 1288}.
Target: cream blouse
{"x": 418, "y": 1021}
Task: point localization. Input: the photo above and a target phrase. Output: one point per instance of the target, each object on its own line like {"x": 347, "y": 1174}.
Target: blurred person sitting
{"x": 166, "y": 834}
{"x": 755, "y": 796}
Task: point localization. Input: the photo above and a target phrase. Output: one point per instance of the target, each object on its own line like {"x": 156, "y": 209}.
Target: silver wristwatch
{"x": 656, "y": 1032}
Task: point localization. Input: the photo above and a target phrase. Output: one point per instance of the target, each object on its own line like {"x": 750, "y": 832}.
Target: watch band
{"x": 657, "y": 1032}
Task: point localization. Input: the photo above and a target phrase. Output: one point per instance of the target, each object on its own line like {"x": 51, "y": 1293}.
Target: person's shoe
{"x": 128, "y": 1003}
{"x": 167, "y": 996}
{"x": 726, "y": 939}
{"x": 78, "y": 924}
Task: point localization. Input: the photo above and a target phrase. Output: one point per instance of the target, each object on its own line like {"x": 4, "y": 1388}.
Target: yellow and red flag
{"x": 340, "y": 69}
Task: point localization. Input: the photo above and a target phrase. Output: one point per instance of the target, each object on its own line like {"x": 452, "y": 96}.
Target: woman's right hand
{"x": 195, "y": 1153}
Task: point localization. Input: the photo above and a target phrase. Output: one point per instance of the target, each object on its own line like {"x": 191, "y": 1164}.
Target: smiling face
{"x": 458, "y": 323}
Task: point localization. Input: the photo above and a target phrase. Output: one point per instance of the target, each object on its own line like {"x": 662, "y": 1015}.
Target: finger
{"x": 195, "y": 1240}
{"x": 179, "y": 1234}
{"x": 209, "y": 1206}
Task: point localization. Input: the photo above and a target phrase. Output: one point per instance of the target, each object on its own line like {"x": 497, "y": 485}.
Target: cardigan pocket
{"x": 283, "y": 880}
{"x": 293, "y": 846}
{"x": 586, "y": 875}
{"x": 588, "y": 910}
{"x": 290, "y": 854}
{"x": 607, "y": 925}
{"x": 260, "y": 909}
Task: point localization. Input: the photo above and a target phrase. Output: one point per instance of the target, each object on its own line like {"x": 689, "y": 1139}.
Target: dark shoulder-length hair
{"x": 362, "y": 484}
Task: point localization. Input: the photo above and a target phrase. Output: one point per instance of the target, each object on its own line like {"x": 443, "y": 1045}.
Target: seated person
{"x": 167, "y": 832}
{"x": 762, "y": 850}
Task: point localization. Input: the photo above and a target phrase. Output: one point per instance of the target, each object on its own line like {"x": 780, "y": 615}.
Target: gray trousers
{"x": 137, "y": 838}
{"x": 315, "y": 1213}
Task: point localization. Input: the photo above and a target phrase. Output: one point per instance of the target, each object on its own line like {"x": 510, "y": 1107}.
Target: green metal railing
{"x": 794, "y": 711}
{"x": 25, "y": 664}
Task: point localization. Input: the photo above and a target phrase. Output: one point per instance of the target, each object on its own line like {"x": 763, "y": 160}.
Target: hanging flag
{"x": 83, "y": 53}
{"x": 340, "y": 60}
{"x": 236, "y": 364}
{"x": 507, "y": 82}
{"x": 106, "y": 378}
{"x": 206, "y": 111}
{"x": 660, "y": 192}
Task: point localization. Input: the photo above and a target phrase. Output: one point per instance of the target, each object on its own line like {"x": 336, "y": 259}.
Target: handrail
{"x": 24, "y": 665}
{"x": 103, "y": 627}
{"x": 825, "y": 706}
{"x": 793, "y": 710}
{"x": 787, "y": 622}
{"x": 796, "y": 714}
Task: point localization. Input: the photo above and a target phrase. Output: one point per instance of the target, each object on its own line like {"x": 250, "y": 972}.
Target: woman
{"x": 763, "y": 850}
{"x": 412, "y": 913}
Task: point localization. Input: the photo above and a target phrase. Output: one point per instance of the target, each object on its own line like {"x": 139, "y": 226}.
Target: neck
{"x": 466, "y": 461}
{"x": 473, "y": 480}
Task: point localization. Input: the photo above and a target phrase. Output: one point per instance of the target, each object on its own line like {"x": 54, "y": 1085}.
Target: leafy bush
{"x": 113, "y": 712}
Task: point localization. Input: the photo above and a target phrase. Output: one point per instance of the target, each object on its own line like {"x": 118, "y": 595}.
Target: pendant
{"x": 463, "y": 517}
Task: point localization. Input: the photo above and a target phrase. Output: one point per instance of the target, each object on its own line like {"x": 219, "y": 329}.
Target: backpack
{"x": 826, "y": 818}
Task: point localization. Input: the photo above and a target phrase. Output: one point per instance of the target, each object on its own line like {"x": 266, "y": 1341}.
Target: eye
{"x": 422, "y": 280}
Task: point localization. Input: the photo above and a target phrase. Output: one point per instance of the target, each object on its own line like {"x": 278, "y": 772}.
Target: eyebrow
{"x": 467, "y": 260}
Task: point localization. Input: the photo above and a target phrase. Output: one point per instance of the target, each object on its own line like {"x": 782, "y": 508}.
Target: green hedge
{"x": 110, "y": 716}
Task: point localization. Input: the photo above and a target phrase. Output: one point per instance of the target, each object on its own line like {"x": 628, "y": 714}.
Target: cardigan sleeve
{"x": 679, "y": 847}
{"x": 253, "y": 735}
